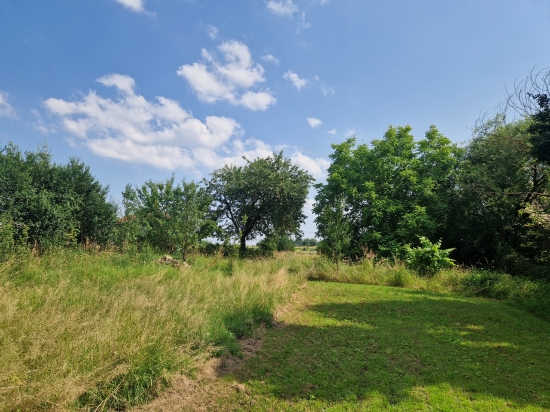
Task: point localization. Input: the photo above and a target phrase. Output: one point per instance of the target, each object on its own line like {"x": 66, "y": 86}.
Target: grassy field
{"x": 106, "y": 331}
{"x": 356, "y": 347}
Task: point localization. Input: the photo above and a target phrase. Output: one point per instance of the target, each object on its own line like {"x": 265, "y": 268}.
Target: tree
{"x": 168, "y": 216}
{"x": 264, "y": 197}
{"x": 385, "y": 195}
{"x": 531, "y": 99}
{"x": 57, "y": 204}
{"x": 501, "y": 207}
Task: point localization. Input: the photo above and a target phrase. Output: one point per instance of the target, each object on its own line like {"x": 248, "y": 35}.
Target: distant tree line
{"x": 45, "y": 205}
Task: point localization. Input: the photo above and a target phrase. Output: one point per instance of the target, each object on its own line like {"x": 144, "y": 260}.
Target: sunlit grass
{"x": 107, "y": 330}
{"x": 362, "y": 348}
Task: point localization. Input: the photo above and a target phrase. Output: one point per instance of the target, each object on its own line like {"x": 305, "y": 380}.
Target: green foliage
{"x": 428, "y": 258}
{"x": 264, "y": 197}
{"x": 57, "y": 204}
{"x": 277, "y": 243}
{"x": 7, "y": 244}
{"x": 306, "y": 242}
{"x": 170, "y": 217}
{"x": 500, "y": 214}
{"x": 540, "y": 127}
{"x": 381, "y": 196}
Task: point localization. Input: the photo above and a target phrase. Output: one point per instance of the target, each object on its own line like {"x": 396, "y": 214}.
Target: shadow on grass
{"x": 408, "y": 349}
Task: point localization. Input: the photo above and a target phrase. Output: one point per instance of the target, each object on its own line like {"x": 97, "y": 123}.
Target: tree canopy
{"x": 264, "y": 197}
{"x": 166, "y": 215}
{"x": 387, "y": 194}
{"x": 57, "y": 204}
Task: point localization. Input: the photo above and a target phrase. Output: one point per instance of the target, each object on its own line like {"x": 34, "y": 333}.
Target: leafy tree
{"x": 57, "y": 204}
{"x": 167, "y": 216}
{"x": 531, "y": 99}
{"x": 336, "y": 228}
{"x": 384, "y": 195}
{"x": 540, "y": 128}
{"x": 306, "y": 242}
{"x": 279, "y": 243}
{"x": 264, "y": 197}
{"x": 499, "y": 213}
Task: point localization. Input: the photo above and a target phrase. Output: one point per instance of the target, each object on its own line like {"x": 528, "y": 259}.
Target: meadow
{"x": 85, "y": 330}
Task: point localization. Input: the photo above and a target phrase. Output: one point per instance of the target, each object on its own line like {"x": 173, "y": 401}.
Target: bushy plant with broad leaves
{"x": 428, "y": 258}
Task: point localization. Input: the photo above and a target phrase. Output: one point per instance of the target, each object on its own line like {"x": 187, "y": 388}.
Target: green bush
{"x": 6, "y": 238}
{"x": 428, "y": 258}
{"x": 279, "y": 243}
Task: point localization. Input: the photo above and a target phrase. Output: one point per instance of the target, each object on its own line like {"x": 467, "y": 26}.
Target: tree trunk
{"x": 243, "y": 244}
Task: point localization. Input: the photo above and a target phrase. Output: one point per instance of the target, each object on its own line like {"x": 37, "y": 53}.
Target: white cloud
{"x": 295, "y": 79}
{"x": 254, "y": 148}
{"x": 212, "y": 32}
{"x": 282, "y": 7}
{"x": 327, "y": 90}
{"x": 6, "y": 110}
{"x": 303, "y": 23}
{"x": 133, "y": 129}
{"x": 332, "y": 131}
{"x": 134, "y": 5}
{"x": 231, "y": 81}
{"x": 350, "y": 132}
{"x": 271, "y": 59}
{"x": 314, "y": 122}
{"x": 316, "y": 167}
{"x": 257, "y": 101}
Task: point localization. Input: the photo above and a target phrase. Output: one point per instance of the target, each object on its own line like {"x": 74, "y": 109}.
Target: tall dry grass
{"x": 105, "y": 331}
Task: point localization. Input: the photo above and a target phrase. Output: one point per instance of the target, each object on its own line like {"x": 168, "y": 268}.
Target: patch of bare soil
{"x": 206, "y": 391}
{"x": 209, "y": 390}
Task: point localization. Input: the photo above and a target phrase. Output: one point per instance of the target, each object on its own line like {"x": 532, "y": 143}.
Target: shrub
{"x": 279, "y": 243}
{"x": 428, "y": 258}
{"x": 6, "y": 238}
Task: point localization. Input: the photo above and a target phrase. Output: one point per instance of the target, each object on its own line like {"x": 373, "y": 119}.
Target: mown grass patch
{"x": 356, "y": 347}
{"x": 530, "y": 295}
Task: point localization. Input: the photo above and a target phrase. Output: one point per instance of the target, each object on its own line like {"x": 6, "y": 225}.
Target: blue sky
{"x": 141, "y": 89}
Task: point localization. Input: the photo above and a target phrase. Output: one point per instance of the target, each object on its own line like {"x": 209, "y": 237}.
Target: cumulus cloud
{"x": 230, "y": 81}
{"x": 314, "y": 122}
{"x": 332, "y": 131}
{"x": 6, "y": 110}
{"x": 282, "y": 7}
{"x": 271, "y": 59}
{"x": 134, "y": 5}
{"x": 133, "y": 129}
{"x": 295, "y": 79}
{"x": 316, "y": 167}
{"x": 159, "y": 133}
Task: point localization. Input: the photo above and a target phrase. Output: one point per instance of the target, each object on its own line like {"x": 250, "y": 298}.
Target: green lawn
{"x": 356, "y": 347}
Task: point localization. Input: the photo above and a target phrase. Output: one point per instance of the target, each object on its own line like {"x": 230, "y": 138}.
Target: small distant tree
{"x": 264, "y": 197}
{"x": 168, "y": 216}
